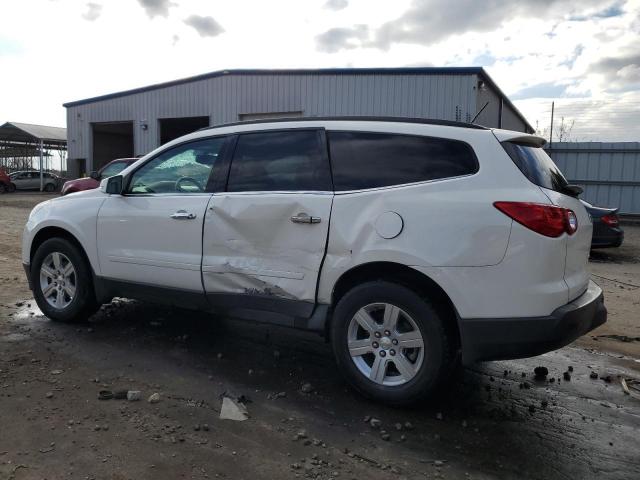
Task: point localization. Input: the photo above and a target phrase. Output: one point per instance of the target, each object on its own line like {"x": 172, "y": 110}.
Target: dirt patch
{"x": 14, "y": 211}
{"x": 617, "y": 271}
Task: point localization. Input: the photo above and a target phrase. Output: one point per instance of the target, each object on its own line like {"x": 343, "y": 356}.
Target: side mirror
{"x": 94, "y": 175}
{"x": 112, "y": 185}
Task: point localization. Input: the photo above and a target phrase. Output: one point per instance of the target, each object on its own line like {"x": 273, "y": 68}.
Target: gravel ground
{"x": 495, "y": 420}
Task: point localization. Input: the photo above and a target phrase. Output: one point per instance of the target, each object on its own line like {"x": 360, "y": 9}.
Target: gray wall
{"x": 224, "y": 99}
{"x": 490, "y": 116}
{"x": 608, "y": 172}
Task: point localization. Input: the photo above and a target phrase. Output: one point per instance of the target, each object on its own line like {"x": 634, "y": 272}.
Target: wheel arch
{"x": 48, "y": 232}
{"x": 403, "y": 275}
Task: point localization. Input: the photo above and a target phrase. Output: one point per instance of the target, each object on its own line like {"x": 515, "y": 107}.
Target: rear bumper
{"x": 612, "y": 237}
{"x": 508, "y": 338}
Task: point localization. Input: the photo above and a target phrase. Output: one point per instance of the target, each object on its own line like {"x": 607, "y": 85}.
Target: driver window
{"x": 183, "y": 169}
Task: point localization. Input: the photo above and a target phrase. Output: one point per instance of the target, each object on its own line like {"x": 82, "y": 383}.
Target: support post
{"x": 551, "y": 129}
{"x": 41, "y": 172}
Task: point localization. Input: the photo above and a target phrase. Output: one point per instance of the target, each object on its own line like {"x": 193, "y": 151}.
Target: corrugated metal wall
{"x": 223, "y": 99}
{"x": 491, "y": 114}
{"x": 608, "y": 172}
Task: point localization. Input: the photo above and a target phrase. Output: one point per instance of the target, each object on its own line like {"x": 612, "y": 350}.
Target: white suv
{"x": 409, "y": 244}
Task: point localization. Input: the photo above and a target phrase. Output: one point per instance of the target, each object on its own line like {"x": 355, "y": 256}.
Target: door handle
{"x": 303, "y": 217}
{"x": 183, "y": 215}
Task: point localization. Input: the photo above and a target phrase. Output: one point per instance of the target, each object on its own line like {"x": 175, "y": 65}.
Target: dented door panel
{"x": 251, "y": 245}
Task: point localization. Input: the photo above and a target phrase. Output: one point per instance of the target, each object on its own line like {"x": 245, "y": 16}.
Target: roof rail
{"x": 425, "y": 121}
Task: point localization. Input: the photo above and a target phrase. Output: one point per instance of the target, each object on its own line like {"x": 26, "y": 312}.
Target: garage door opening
{"x": 172, "y": 128}
{"x": 111, "y": 141}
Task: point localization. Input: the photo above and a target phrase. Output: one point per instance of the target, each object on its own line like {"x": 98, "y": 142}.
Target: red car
{"x": 5, "y": 182}
{"x": 114, "y": 167}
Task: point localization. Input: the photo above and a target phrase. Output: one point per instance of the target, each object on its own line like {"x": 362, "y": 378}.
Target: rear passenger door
{"x": 264, "y": 237}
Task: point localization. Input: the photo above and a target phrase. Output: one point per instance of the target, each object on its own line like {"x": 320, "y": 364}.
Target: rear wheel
{"x": 390, "y": 343}
{"x": 3, "y": 188}
{"x": 62, "y": 282}
{"x": 12, "y": 188}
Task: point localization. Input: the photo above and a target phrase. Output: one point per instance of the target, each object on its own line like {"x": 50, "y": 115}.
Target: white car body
{"x": 243, "y": 253}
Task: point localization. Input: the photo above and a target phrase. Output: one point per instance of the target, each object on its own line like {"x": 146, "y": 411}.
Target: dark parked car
{"x": 114, "y": 167}
{"x": 5, "y": 182}
{"x": 606, "y": 226}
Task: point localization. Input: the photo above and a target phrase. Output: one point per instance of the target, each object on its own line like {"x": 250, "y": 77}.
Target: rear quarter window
{"x": 361, "y": 160}
{"x": 536, "y": 165}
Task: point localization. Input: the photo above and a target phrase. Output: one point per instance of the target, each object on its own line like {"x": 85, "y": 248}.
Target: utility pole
{"x": 551, "y": 129}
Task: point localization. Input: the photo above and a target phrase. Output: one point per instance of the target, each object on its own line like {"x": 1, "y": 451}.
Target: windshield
{"x": 536, "y": 165}
{"x": 112, "y": 169}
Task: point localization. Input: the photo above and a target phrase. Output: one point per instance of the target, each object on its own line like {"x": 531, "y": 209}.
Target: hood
{"x": 84, "y": 182}
{"x": 93, "y": 192}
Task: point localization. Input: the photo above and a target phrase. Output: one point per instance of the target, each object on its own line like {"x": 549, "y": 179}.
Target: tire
{"x": 73, "y": 308}
{"x": 427, "y": 366}
{"x": 3, "y": 188}
{"x": 12, "y": 188}
{"x": 49, "y": 187}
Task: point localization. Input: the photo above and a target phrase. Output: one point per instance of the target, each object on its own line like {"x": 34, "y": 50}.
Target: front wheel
{"x": 390, "y": 343}
{"x": 49, "y": 187}
{"x": 62, "y": 282}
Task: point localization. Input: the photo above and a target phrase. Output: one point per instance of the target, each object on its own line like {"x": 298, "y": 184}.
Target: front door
{"x": 152, "y": 234}
{"x": 265, "y": 237}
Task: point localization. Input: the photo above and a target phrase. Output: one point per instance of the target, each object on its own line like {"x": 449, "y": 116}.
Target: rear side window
{"x": 536, "y": 165}
{"x": 362, "y": 160}
{"x": 276, "y": 161}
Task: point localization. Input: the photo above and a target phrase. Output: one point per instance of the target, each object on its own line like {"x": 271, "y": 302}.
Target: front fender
{"x": 75, "y": 215}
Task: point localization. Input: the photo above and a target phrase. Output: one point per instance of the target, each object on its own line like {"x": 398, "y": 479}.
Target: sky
{"x": 583, "y": 55}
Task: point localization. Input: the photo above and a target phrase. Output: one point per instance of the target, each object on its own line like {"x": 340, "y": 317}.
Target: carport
{"x": 27, "y": 141}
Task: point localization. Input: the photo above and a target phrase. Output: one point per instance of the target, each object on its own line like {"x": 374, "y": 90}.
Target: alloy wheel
{"x": 385, "y": 344}
{"x": 58, "y": 280}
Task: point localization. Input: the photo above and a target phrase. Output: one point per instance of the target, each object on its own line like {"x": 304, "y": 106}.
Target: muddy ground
{"x": 495, "y": 421}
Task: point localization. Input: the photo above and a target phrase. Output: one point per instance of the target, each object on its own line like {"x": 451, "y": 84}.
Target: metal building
{"x": 608, "y": 172}
{"x": 134, "y": 122}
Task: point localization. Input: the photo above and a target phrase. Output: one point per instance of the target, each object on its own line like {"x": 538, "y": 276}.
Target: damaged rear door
{"x": 265, "y": 237}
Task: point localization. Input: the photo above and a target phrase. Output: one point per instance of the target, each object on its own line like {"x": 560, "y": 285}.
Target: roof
{"x": 26, "y": 132}
{"x": 425, "y": 121}
{"x": 318, "y": 71}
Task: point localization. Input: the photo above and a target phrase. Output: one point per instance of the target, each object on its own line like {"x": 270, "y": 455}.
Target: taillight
{"x": 610, "y": 219}
{"x": 547, "y": 220}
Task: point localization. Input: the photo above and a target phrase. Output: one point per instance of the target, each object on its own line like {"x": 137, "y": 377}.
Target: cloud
{"x": 205, "y": 26}
{"x": 614, "y": 10}
{"x": 484, "y": 60}
{"x": 613, "y": 117}
{"x": 540, "y": 90}
{"x": 571, "y": 61}
{"x": 93, "y": 11}
{"x": 619, "y": 73}
{"x": 336, "y": 4}
{"x": 337, "y": 39}
{"x": 430, "y": 21}
{"x": 157, "y": 7}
